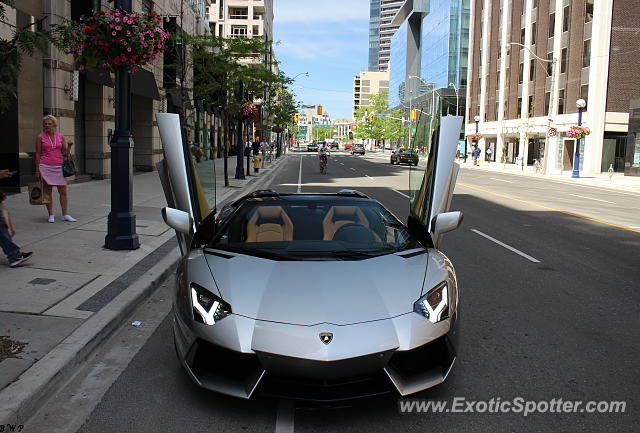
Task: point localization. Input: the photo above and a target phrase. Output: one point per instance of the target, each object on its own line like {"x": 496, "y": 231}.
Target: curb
{"x": 20, "y": 400}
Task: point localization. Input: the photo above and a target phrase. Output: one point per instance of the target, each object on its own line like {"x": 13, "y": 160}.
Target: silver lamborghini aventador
{"x": 314, "y": 296}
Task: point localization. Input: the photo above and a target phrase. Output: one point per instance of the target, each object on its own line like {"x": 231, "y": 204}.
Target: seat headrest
{"x": 270, "y": 212}
{"x": 345, "y": 211}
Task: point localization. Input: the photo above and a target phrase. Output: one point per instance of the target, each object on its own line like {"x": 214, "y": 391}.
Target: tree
{"x": 219, "y": 64}
{"x": 22, "y": 40}
{"x": 381, "y": 128}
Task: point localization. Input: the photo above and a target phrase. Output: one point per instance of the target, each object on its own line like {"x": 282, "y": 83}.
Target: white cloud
{"x": 329, "y": 11}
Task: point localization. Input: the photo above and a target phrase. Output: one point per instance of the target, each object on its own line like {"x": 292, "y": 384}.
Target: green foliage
{"x": 21, "y": 41}
{"x": 382, "y": 128}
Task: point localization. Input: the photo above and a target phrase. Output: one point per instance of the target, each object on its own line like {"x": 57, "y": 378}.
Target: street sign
{"x": 552, "y": 132}
{"x": 381, "y": 115}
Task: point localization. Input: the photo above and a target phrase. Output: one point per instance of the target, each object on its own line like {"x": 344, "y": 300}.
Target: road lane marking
{"x": 501, "y": 180}
{"x": 509, "y": 247}
{"x": 369, "y": 177}
{"x": 285, "y": 416}
{"x": 401, "y": 193}
{"x": 591, "y": 198}
{"x": 549, "y": 208}
{"x": 300, "y": 176}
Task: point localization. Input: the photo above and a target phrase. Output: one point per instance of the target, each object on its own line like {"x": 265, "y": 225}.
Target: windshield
{"x": 327, "y": 229}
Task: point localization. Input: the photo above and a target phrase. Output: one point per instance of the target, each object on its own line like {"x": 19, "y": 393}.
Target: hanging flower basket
{"x": 578, "y": 132}
{"x": 114, "y": 38}
{"x": 475, "y": 137}
{"x": 244, "y": 110}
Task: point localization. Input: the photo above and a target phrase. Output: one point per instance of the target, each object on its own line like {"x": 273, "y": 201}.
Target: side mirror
{"x": 179, "y": 220}
{"x": 445, "y": 222}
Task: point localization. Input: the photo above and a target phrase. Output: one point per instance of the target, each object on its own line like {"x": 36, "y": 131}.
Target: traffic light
{"x": 372, "y": 117}
{"x": 414, "y": 114}
{"x": 319, "y": 110}
{"x": 296, "y": 117}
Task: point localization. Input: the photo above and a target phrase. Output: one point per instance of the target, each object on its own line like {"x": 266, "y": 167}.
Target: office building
{"x": 381, "y": 29}
{"x": 531, "y": 61}
{"x": 366, "y": 84}
{"x": 429, "y": 55}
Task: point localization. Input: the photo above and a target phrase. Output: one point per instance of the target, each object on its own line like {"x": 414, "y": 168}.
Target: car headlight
{"x": 207, "y": 307}
{"x": 435, "y": 304}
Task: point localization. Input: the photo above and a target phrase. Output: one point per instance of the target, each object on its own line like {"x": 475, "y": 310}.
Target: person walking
{"x": 476, "y": 154}
{"x": 256, "y": 154}
{"x": 489, "y": 154}
{"x": 14, "y": 255}
{"x": 51, "y": 146}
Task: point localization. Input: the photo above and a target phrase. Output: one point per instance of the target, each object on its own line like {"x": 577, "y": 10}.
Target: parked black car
{"x": 403, "y": 155}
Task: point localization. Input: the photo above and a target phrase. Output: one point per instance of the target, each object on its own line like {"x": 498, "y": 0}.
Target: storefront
{"x": 632, "y": 154}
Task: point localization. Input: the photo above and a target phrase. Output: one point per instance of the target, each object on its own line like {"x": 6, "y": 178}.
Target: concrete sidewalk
{"x": 617, "y": 182}
{"x": 57, "y": 307}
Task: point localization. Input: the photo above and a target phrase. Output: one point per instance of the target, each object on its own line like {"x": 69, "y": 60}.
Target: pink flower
{"x": 113, "y": 33}
{"x": 129, "y": 49}
{"x": 118, "y": 28}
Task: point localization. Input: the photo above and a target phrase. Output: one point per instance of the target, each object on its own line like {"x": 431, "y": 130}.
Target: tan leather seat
{"x": 338, "y": 216}
{"x": 270, "y": 224}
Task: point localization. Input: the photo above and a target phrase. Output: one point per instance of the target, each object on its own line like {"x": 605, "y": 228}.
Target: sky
{"x": 330, "y": 40}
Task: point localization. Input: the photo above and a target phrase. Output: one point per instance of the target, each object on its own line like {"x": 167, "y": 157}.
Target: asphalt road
{"x": 549, "y": 309}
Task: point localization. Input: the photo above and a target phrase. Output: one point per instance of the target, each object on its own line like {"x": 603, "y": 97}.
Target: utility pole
{"x": 240, "y": 136}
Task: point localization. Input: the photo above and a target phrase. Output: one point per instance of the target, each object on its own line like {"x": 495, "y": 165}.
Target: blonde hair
{"x": 52, "y": 118}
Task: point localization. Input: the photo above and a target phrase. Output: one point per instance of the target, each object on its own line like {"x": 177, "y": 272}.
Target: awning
{"x": 101, "y": 78}
{"x": 143, "y": 83}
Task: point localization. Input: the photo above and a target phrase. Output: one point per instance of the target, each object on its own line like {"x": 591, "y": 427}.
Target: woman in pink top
{"x": 51, "y": 147}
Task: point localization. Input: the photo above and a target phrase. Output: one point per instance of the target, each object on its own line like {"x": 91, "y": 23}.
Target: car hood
{"x": 314, "y": 292}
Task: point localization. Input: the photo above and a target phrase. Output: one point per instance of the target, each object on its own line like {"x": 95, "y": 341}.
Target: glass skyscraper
{"x": 374, "y": 34}
{"x": 444, "y": 43}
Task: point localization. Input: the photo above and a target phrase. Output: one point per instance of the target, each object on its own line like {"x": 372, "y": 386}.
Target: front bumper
{"x": 280, "y": 363}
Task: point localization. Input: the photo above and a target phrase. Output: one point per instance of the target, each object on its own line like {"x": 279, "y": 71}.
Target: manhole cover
{"x": 42, "y": 281}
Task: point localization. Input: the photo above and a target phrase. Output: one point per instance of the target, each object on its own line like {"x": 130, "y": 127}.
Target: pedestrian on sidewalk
{"x": 489, "y": 153}
{"x": 51, "y": 147}
{"x": 476, "y": 154}
{"x": 7, "y": 231}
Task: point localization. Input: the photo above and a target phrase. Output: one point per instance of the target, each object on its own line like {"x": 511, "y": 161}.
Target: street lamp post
{"x": 240, "y": 134}
{"x": 477, "y": 120}
{"x": 580, "y": 103}
{"x": 457, "y": 96}
{"x": 121, "y": 222}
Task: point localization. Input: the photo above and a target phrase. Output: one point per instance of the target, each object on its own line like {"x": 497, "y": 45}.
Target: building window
{"x": 521, "y": 73}
{"x": 563, "y": 61}
{"x": 256, "y": 30}
{"x": 561, "y": 102}
{"x": 532, "y": 70}
{"x": 588, "y": 13}
{"x": 221, "y": 11}
{"x": 534, "y": 33}
{"x": 522, "y": 36}
{"x": 532, "y": 106}
{"x": 552, "y": 25}
{"x": 565, "y": 19}
{"x": 584, "y": 92}
{"x": 238, "y": 31}
{"x": 239, "y": 14}
{"x": 147, "y": 6}
{"x": 547, "y": 102}
{"x": 586, "y": 53}
{"x": 549, "y": 64}
{"x": 220, "y": 30}
{"x": 257, "y": 16}
{"x": 519, "y": 108}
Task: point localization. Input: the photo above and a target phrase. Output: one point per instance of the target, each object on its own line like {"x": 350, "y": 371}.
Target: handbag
{"x": 37, "y": 194}
{"x": 68, "y": 166}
